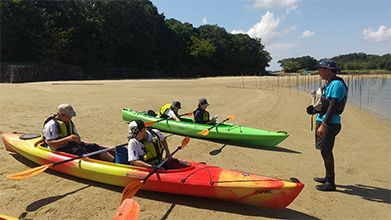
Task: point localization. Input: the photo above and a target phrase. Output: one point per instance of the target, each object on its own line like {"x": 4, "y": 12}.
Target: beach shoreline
{"x": 362, "y": 150}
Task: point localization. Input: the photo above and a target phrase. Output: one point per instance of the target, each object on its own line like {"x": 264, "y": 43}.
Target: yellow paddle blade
{"x": 204, "y": 132}
{"x": 231, "y": 117}
{"x": 29, "y": 173}
{"x": 131, "y": 190}
{"x": 129, "y": 210}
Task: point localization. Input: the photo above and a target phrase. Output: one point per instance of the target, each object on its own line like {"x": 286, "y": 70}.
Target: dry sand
{"x": 362, "y": 150}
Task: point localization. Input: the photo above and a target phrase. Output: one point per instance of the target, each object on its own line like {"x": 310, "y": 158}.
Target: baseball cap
{"x": 66, "y": 109}
{"x": 176, "y": 104}
{"x": 331, "y": 64}
{"x": 135, "y": 127}
{"x": 203, "y": 101}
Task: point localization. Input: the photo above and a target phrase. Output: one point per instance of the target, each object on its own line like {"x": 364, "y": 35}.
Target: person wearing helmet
{"x": 146, "y": 145}
{"x": 170, "y": 111}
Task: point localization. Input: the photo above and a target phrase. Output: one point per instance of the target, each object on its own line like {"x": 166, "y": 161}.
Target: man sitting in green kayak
{"x": 170, "y": 111}
{"x": 146, "y": 146}
{"x": 59, "y": 133}
{"x": 201, "y": 116}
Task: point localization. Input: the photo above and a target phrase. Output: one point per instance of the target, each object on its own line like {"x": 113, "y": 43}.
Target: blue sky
{"x": 294, "y": 28}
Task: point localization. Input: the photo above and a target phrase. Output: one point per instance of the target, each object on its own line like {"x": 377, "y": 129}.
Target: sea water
{"x": 373, "y": 94}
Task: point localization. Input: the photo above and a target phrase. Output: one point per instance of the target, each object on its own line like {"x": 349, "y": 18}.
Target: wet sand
{"x": 362, "y": 150}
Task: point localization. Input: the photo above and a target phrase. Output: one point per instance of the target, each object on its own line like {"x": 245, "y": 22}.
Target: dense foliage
{"x": 353, "y": 61}
{"x": 122, "y": 34}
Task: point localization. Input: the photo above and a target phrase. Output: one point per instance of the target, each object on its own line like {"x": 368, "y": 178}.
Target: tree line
{"x": 122, "y": 34}
{"x": 353, "y": 61}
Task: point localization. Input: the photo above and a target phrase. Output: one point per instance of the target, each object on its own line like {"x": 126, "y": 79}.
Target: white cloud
{"x": 307, "y": 34}
{"x": 292, "y": 8}
{"x": 382, "y": 34}
{"x": 274, "y": 3}
{"x": 240, "y": 31}
{"x": 267, "y": 29}
{"x": 204, "y": 21}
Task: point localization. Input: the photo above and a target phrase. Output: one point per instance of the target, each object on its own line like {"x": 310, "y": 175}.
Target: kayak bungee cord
{"x": 237, "y": 181}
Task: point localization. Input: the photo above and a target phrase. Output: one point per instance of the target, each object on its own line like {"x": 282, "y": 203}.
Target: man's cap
{"x": 66, "y": 109}
{"x": 176, "y": 104}
{"x": 135, "y": 127}
{"x": 203, "y": 101}
{"x": 331, "y": 64}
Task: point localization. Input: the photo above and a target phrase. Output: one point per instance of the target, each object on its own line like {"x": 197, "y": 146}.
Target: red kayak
{"x": 187, "y": 177}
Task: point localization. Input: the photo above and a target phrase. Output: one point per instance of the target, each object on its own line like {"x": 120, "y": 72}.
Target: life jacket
{"x": 205, "y": 116}
{"x": 63, "y": 129}
{"x": 325, "y": 101}
{"x": 154, "y": 149}
{"x": 163, "y": 109}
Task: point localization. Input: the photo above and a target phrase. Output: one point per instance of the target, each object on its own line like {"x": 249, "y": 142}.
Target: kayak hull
{"x": 190, "y": 178}
{"x": 224, "y": 131}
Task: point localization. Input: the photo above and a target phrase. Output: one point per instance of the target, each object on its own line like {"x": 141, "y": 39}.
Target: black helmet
{"x": 176, "y": 104}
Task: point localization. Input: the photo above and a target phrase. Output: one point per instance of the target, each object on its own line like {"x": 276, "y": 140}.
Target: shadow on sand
{"x": 370, "y": 193}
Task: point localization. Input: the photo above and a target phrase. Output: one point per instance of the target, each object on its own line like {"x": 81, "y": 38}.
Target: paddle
{"x": 206, "y": 131}
{"x": 149, "y": 123}
{"x": 129, "y": 210}
{"x": 132, "y": 188}
{"x": 37, "y": 170}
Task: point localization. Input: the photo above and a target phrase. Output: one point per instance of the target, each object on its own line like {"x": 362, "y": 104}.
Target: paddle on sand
{"x": 37, "y": 170}
{"x": 132, "y": 188}
{"x": 149, "y": 123}
{"x": 129, "y": 210}
{"x": 206, "y": 131}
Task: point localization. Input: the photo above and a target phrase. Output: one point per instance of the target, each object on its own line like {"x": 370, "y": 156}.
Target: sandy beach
{"x": 362, "y": 150}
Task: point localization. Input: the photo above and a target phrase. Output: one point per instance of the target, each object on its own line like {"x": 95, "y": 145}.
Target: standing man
{"x": 328, "y": 120}
{"x": 59, "y": 133}
{"x": 145, "y": 147}
{"x": 170, "y": 111}
{"x": 201, "y": 116}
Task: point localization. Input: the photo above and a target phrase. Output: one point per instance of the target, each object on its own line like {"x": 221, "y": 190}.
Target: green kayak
{"x": 223, "y": 131}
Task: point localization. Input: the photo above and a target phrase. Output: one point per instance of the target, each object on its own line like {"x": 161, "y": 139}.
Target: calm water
{"x": 373, "y": 94}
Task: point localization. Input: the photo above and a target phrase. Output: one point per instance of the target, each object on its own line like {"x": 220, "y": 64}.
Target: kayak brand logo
{"x": 267, "y": 191}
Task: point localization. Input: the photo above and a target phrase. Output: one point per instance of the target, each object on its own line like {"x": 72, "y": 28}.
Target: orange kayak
{"x": 186, "y": 177}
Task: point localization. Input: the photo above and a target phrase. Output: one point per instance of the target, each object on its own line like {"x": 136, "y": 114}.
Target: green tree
{"x": 292, "y": 66}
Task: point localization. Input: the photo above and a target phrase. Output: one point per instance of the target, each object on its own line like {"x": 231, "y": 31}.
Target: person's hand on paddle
{"x": 169, "y": 156}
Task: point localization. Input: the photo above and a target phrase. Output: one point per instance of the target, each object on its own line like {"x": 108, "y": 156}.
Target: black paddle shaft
{"x": 160, "y": 165}
{"x": 89, "y": 154}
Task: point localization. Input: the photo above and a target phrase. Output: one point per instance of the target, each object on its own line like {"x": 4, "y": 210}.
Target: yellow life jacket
{"x": 163, "y": 109}
{"x": 154, "y": 150}
{"x": 63, "y": 129}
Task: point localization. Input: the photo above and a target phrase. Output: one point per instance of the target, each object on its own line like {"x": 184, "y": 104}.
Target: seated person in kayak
{"x": 60, "y": 134}
{"x": 146, "y": 146}
{"x": 170, "y": 111}
{"x": 200, "y": 115}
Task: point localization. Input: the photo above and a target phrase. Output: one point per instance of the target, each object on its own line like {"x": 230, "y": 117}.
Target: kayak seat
{"x": 177, "y": 164}
{"x": 151, "y": 113}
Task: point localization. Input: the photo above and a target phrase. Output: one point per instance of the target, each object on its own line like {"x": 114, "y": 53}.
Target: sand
{"x": 362, "y": 150}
